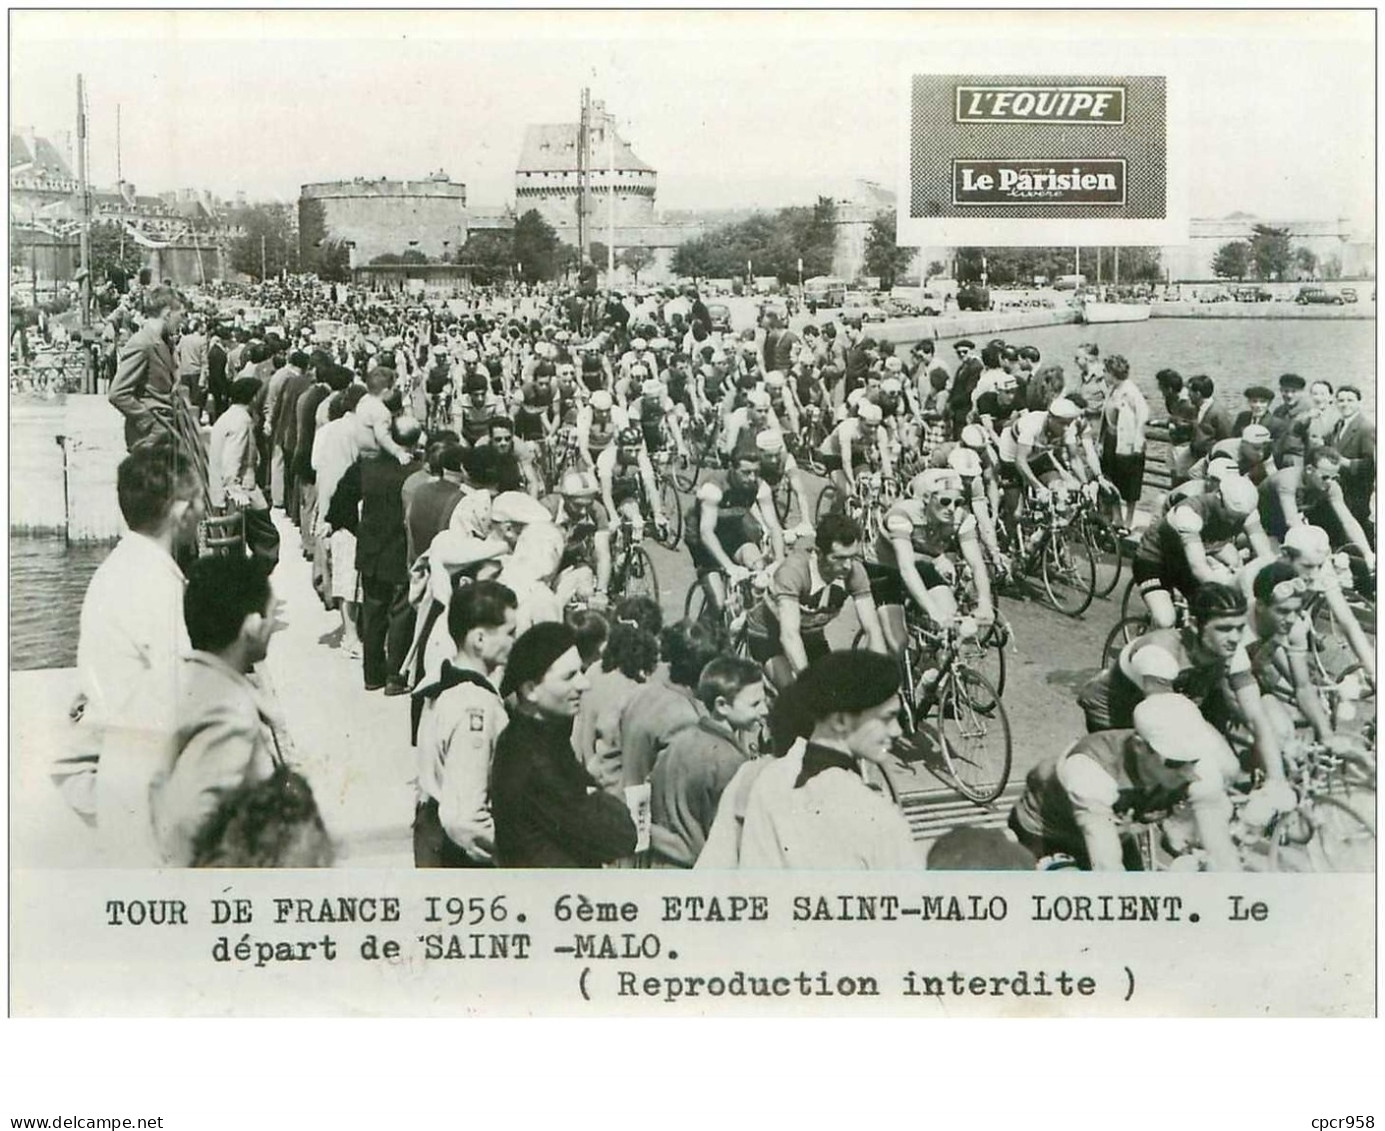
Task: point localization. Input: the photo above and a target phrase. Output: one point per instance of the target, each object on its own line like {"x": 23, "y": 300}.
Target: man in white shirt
{"x": 232, "y": 458}
{"x": 130, "y": 638}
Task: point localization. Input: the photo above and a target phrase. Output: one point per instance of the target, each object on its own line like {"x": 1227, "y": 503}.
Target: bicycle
{"x": 973, "y": 731}
{"x": 867, "y": 504}
{"x": 671, "y": 533}
{"x": 632, "y": 569}
{"x": 704, "y": 432}
{"x": 1046, "y": 538}
{"x": 739, "y": 599}
{"x": 1107, "y": 541}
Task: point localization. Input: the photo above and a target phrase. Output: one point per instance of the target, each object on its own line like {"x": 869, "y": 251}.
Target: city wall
{"x": 383, "y": 217}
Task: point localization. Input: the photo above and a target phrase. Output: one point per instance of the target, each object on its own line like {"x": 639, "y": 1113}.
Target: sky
{"x": 733, "y": 109}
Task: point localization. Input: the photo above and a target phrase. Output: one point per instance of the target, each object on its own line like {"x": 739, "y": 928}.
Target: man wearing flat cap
{"x": 829, "y": 817}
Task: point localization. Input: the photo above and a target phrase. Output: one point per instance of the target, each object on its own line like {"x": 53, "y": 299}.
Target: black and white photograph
{"x": 668, "y": 464}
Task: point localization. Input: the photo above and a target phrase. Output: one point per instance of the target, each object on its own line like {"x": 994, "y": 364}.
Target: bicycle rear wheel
{"x": 786, "y": 503}
{"x": 1126, "y": 629}
{"x": 1342, "y": 840}
{"x": 636, "y": 576}
{"x": 975, "y": 735}
{"x": 827, "y": 501}
{"x": 673, "y": 512}
{"x": 1068, "y": 572}
{"x": 1108, "y": 551}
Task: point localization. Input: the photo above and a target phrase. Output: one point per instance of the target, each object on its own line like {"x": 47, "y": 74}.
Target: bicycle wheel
{"x": 673, "y": 512}
{"x": 1133, "y": 602}
{"x": 827, "y": 500}
{"x": 1068, "y": 572}
{"x": 975, "y": 735}
{"x": 635, "y": 576}
{"x": 1328, "y": 644}
{"x": 786, "y": 503}
{"x": 1340, "y": 836}
{"x": 685, "y": 476}
{"x": 1126, "y": 629}
{"x": 696, "y": 606}
{"x": 1108, "y": 551}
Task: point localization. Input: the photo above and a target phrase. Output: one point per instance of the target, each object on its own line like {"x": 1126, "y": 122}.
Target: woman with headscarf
{"x": 549, "y": 812}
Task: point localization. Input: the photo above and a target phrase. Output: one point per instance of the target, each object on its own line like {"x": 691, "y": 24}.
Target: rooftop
{"x": 553, "y": 148}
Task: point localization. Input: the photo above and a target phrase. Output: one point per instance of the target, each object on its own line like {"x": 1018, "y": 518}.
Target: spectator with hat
{"x": 1290, "y": 420}
{"x": 830, "y": 818}
{"x": 549, "y": 812}
{"x": 1257, "y": 410}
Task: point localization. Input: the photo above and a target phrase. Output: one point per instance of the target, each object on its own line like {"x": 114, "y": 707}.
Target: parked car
{"x": 721, "y": 317}
{"x": 1254, "y": 294}
{"x": 858, "y": 304}
{"x": 1317, "y": 296}
{"x": 1348, "y": 294}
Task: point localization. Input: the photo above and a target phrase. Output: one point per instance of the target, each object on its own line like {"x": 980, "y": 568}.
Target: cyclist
{"x": 585, "y": 570}
{"x": 596, "y": 369}
{"x": 570, "y": 397}
{"x": 1249, "y": 452}
{"x": 858, "y": 443}
{"x": 730, "y": 517}
{"x": 1073, "y": 805}
{"x": 1279, "y": 655}
{"x": 627, "y": 480}
{"x": 598, "y": 423}
{"x": 781, "y": 401}
{"x": 1205, "y": 660}
{"x": 743, "y": 424}
{"x": 535, "y": 417}
{"x": 1195, "y": 543}
{"x": 1308, "y": 550}
{"x": 788, "y": 626}
{"x": 479, "y": 409}
{"x": 655, "y": 414}
{"x": 777, "y": 464}
{"x": 981, "y": 497}
{"x": 1311, "y": 492}
{"x": 1031, "y": 453}
{"x": 920, "y": 537}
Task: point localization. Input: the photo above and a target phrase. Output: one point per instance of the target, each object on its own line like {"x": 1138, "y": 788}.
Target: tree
{"x": 693, "y": 258}
{"x": 1332, "y": 267}
{"x": 490, "y": 254}
{"x": 535, "y": 247}
{"x": 1139, "y": 265}
{"x": 262, "y": 250}
{"x": 1270, "y": 251}
{"x": 413, "y": 256}
{"x": 1232, "y": 260}
{"x": 1306, "y": 262}
{"x": 935, "y": 267}
{"x": 635, "y": 260}
{"x": 600, "y": 253}
{"x": 884, "y": 257}
{"x": 106, "y": 252}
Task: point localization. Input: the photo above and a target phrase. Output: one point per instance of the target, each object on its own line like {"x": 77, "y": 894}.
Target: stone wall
{"x": 383, "y": 217}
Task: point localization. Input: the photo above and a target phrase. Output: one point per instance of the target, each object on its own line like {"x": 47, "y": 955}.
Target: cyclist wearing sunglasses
{"x": 1312, "y": 493}
{"x": 919, "y": 537}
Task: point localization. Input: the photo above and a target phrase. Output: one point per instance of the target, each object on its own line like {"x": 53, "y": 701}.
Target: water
{"x": 1235, "y": 353}
{"x": 47, "y": 581}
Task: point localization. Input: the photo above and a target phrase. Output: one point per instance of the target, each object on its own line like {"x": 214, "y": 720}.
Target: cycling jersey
{"x": 930, "y": 539}
{"x": 799, "y": 578}
{"x": 624, "y": 476}
{"x": 593, "y": 373}
{"x": 599, "y": 430}
{"x": 476, "y": 422}
{"x": 649, "y": 413}
{"x": 1028, "y": 430}
{"x": 737, "y": 522}
{"x": 1202, "y": 516}
{"x": 533, "y": 409}
{"x": 861, "y": 444}
{"x": 579, "y": 533}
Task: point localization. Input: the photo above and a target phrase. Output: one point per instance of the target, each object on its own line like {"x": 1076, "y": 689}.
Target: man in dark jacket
{"x": 387, "y": 618}
{"x": 284, "y": 436}
{"x": 549, "y": 812}
{"x": 328, "y": 378}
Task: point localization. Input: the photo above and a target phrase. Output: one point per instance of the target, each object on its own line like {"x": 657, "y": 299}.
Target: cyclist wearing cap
{"x": 598, "y": 422}
{"x": 980, "y": 493}
{"x": 1075, "y": 805}
{"x": 1308, "y": 550}
{"x": 1032, "y": 451}
{"x": 745, "y": 423}
{"x": 627, "y": 479}
{"x": 596, "y": 369}
{"x": 809, "y": 589}
{"x": 730, "y": 517}
{"x": 1279, "y": 654}
{"x": 1310, "y": 492}
{"x": 1195, "y": 543}
{"x": 995, "y": 408}
{"x": 920, "y": 537}
{"x": 584, "y": 572}
{"x": 777, "y": 464}
{"x": 654, "y": 413}
{"x": 859, "y": 442}
{"x": 569, "y": 394}
{"x": 781, "y": 401}
{"x": 1249, "y": 452}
